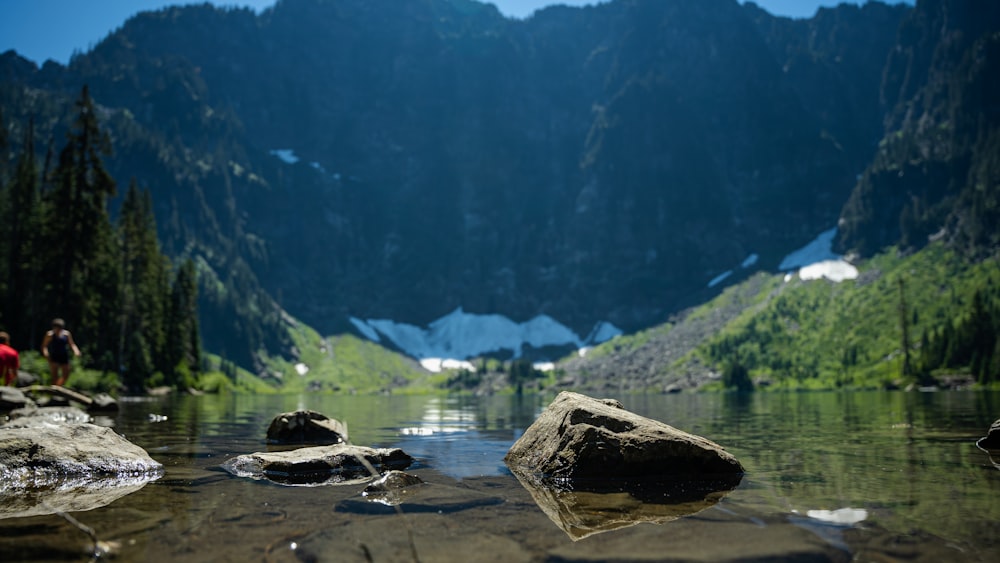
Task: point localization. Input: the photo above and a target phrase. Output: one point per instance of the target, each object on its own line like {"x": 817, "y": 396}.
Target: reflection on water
{"x": 833, "y": 476}
{"x": 457, "y": 437}
{"x": 582, "y": 509}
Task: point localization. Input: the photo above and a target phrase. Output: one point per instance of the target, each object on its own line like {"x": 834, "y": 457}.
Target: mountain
{"x": 936, "y": 173}
{"x": 374, "y": 159}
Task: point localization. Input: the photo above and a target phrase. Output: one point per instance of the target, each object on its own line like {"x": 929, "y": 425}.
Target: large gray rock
{"x": 306, "y": 427}
{"x": 36, "y": 454}
{"x": 579, "y": 437}
{"x": 320, "y": 465}
{"x": 992, "y": 439}
{"x": 12, "y": 398}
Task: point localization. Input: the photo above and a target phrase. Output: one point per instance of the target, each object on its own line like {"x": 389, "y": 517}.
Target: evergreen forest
{"x": 130, "y": 309}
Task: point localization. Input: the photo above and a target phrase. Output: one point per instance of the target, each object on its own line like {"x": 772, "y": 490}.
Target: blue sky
{"x": 53, "y": 29}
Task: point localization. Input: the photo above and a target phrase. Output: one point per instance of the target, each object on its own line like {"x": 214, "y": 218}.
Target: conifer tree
{"x": 183, "y": 342}
{"x": 19, "y": 232}
{"x": 82, "y": 273}
{"x": 144, "y": 289}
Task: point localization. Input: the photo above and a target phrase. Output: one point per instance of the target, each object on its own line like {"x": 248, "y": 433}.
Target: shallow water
{"x": 830, "y": 477}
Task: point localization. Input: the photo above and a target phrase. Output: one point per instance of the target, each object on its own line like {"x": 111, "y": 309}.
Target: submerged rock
{"x": 578, "y": 437}
{"x": 992, "y": 439}
{"x": 319, "y": 465}
{"x": 306, "y": 427}
{"x": 392, "y": 487}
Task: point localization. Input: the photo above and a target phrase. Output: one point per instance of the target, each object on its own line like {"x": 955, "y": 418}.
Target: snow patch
{"x": 459, "y": 335}
{"x": 301, "y": 368}
{"x": 286, "y": 155}
{"x": 543, "y": 366}
{"x": 819, "y": 250}
{"x": 366, "y": 331}
{"x": 435, "y": 365}
{"x": 817, "y": 260}
{"x": 833, "y": 270}
{"x": 719, "y": 278}
{"x": 602, "y": 332}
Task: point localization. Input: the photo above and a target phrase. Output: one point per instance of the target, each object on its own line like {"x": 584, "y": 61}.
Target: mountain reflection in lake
{"x": 830, "y": 476}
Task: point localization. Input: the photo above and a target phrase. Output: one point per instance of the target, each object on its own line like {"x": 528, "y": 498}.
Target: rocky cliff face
{"x": 594, "y": 163}
{"x": 936, "y": 172}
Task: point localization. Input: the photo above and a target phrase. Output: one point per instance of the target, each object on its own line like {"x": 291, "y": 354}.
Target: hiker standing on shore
{"x": 56, "y": 347}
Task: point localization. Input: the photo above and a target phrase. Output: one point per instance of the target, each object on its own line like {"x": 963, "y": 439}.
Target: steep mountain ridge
{"x": 599, "y": 163}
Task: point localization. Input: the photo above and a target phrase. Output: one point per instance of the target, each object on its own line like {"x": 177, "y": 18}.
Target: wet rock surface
{"x": 578, "y": 437}
{"x": 36, "y": 453}
{"x": 392, "y": 488}
{"x": 319, "y": 465}
{"x": 32, "y": 415}
{"x": 306, "y": 427}
{"x": 51, "y": 461}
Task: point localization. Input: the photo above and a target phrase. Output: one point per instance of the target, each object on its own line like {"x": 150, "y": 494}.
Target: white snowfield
{"x": 447, "y": 342}
{"x": 813, "y": 261}
{"x": 817, "y": 260}
{"x": 450, "y": 341}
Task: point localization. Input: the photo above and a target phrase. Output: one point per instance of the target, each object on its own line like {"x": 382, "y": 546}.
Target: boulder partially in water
{"x": 579, "y": 437}
{"x": 992, "y": 439}
{"x": 319, "y": 465}
{"x": 306, "y": 427}
{"x": 35, "y": 453}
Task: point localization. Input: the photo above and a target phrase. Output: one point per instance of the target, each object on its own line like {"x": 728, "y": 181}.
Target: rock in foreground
{"x": 578, "y": 437}
{"x": 306, "y": 427}
{"x": 320, "y": 465}
{"x": 41, "y": 454}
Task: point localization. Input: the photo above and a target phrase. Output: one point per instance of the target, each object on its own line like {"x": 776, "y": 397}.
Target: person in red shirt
{"x": 9, "y": 360}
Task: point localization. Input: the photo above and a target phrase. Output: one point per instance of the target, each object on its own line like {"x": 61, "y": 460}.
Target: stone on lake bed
{"x": 579, "y": 437}
{"x": 392, "y": 487}
{"x": 306, "y": 427}
{"x": 319, "y": 465}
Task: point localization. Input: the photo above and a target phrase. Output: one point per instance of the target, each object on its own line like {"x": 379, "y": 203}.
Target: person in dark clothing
{"x": 56, "y": 348}
{"x": 9, "y": 360}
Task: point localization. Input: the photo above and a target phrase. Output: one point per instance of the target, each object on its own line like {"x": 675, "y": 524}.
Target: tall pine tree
{"x": 145, "y": 291}
{"x": 81, "y": 263}
{"x": 183, "y": 342}
{"x": 19, "y": 234}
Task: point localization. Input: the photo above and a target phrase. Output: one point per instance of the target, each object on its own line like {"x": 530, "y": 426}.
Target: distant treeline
{"x": 131, "y": 311}
{"x": 970, "y": 343}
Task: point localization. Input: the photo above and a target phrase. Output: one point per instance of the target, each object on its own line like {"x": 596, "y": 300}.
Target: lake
{"x": 870, "y": 476}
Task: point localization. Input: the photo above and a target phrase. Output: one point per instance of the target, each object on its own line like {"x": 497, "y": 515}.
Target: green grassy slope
{"x": 347, "y": 364}
{"x": 820, "y": 334}
{"x": 799, "y": 334}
